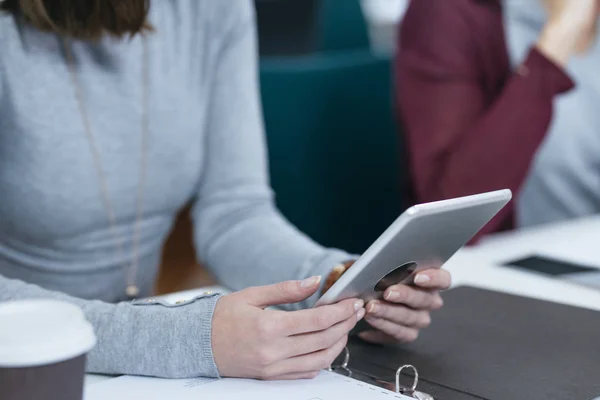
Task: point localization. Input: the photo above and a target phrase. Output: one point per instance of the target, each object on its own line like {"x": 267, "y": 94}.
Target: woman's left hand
{"x": 405, "y": 309}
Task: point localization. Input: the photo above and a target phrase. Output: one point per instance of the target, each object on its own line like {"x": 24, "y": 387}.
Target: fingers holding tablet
{"x": 405, "y": 308}
{"x": 398, "y": 314}
{"x": 438, "y": 279}
{"x": 413, "y": 297}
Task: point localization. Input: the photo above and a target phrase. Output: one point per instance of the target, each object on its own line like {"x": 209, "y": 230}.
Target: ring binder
{"x": 395, "y": 387}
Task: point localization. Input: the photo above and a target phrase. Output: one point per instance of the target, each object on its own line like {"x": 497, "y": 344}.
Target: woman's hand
{"x": 405, "y": 309}
{"x": 251, "y": 342}
{"x": 570, "y": 29}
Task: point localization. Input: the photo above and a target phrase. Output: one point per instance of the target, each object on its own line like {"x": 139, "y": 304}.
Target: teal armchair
{"x": 342, "y": 26}
{"x": 336, "y": 165}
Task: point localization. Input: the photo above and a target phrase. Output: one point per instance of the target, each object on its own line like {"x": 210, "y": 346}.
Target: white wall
{"x": 383, "y": 18}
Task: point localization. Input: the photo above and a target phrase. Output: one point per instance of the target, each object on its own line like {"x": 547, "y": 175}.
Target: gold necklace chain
{"x": 131, "y": 288}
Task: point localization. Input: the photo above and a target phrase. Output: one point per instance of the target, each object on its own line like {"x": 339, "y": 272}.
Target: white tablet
{"x": 424, "y": 236}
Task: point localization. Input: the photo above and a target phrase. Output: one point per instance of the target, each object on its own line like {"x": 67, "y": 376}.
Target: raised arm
{"x": 460, "y": 142}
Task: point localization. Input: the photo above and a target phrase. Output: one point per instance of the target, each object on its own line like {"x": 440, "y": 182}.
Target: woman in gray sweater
{"x": 113, "y": 115}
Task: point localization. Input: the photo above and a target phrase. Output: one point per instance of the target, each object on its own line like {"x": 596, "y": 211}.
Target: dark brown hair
{"x": 84, "y": 19}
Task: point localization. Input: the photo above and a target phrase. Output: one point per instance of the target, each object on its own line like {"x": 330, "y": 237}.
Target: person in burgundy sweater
{"x": 476, "y": 83}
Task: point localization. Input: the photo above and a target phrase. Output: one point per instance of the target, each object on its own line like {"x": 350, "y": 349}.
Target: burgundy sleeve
{"x": 461, "y": 142}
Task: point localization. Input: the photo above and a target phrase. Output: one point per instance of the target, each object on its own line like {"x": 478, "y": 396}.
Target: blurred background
{"x": 335, "y": 152}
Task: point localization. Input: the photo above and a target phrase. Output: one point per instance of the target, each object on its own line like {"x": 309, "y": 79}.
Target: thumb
{"x": 281, "y": 293}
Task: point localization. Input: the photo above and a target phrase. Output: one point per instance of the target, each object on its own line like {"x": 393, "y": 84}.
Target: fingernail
{"x": 360, "y": 314}
{"x": 372, "y": 308}
{"x": 310, "y": 282}
{"x": 358, "y": 305}
{"x": 422, "y": 279}
{"x": 390, "y": 295}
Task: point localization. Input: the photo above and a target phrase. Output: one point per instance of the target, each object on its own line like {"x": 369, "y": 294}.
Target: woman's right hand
{"x": 570, "y": 28}
{"x": 251, "y": 342}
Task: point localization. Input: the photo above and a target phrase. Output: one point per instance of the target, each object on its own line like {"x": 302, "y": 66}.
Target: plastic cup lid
{"x": 41, "y": 332}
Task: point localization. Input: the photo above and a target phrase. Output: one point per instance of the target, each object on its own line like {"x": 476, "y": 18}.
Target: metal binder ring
{"x": 344, "y": 364}
{"x": 346, "y": 358}
{"x": 400, "y": 389}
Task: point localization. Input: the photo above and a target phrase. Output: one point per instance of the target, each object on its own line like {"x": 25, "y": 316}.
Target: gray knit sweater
{"x": 206, "y": 145}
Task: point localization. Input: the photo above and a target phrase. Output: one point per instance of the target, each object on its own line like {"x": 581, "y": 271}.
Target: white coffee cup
{"x": 43, "y": 348}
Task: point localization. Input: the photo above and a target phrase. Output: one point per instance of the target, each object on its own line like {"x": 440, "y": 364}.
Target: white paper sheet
{"x": 327, "y": 386}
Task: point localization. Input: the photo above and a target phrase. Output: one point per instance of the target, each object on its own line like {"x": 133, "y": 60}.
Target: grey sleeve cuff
{"x": 153, "y": 338}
